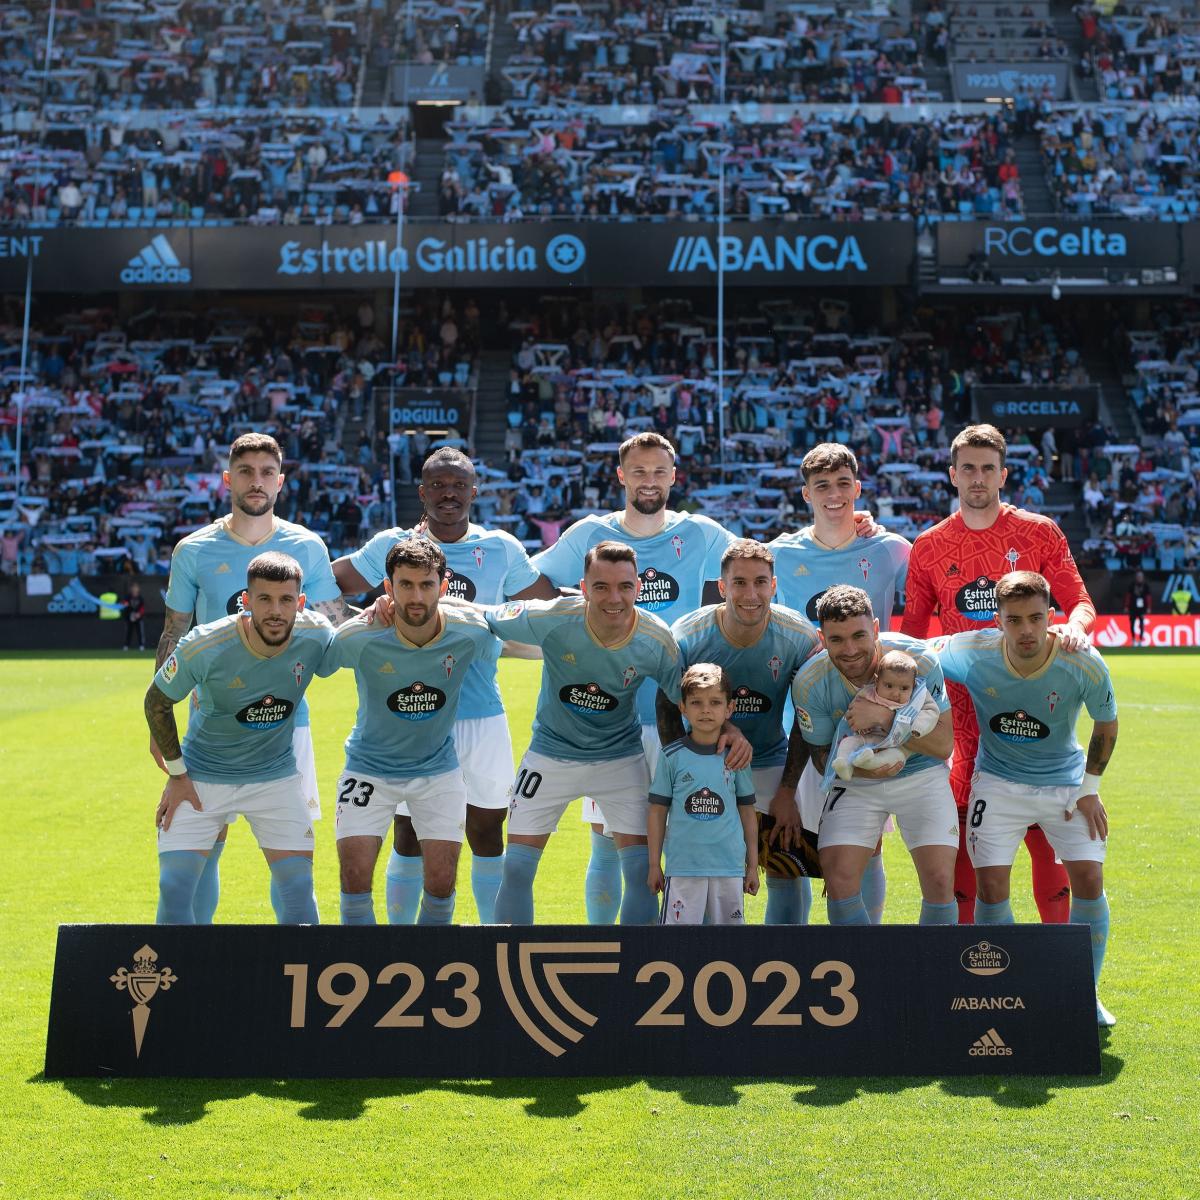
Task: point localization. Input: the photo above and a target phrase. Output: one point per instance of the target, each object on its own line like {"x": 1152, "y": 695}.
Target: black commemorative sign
{"x": 1011, "y": 407}
{"x": 254, "y": 1001}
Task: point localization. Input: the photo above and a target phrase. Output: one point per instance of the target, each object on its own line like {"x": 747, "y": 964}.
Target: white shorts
{"x": 857, "y": 811}
{"x": 1000, "y": 812}
{"x": 366, "y": 805}
{"x": 485, "y": 755}
{"x": 766, "y": 784}
{"x": 810, "y": 798}
{"x": 306, "y": 764}
{"x": 651, "y": 746}
{"x": 545, "y": 786}
{"x": 688, "y": 899}
{"x": 276, "y": 811}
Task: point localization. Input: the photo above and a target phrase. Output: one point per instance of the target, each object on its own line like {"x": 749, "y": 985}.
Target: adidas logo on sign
{"x": 156, "y": 263}
{"x": 991, "y": 1045}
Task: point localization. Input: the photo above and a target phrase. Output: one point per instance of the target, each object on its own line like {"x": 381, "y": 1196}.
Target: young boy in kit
{"x": 704, "y": 811}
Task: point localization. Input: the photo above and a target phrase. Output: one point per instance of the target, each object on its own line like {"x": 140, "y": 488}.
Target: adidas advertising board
{"x": 469, "y": 1002}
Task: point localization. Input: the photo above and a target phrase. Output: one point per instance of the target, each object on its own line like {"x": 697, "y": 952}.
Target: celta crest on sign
{"x": 142, "y": 983}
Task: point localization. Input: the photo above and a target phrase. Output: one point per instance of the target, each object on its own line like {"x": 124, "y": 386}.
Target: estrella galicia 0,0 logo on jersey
{"x": 749, "y": 703}
{"x": 659, "y": 590}
{"x": 268, "y": 713}
{"x": 704, "y": 805}
{"x": 587, "y": 698}
{"x": 417, "y": 702}
{"x": 977, "y": 600}
{"x": 1018, "y": 726}
{"x": 460, "y": 587}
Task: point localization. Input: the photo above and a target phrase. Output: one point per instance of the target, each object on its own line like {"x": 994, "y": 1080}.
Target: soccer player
{"x": 705, "y": 813}
{"x": 677, "y": 552}
{"x": 835, "y": 549}
{"x": 484, "y": 566}
{"x": 597, "y": 649}
{"x": 1027, "y": 696}
{"x": 247, "y": 673}
{"x": 206, "y": 569}
{"x": 410, "y": 675}
{"x": 917, "y": 793}
{"x": 952, "y": 574}
{"x": 762, "y": 646}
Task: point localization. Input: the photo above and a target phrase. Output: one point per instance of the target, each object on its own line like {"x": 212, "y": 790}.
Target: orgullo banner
{"x": 983, "y": 81}
{"x": 1062, "y": 244}
{"x": 1033, "y": 407}
{"x": 433, "y": 409}
{"x": 458, "y": 254}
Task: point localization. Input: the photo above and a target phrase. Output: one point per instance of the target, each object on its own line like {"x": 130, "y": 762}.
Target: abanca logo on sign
{"x": 156, "y": 263}
{"x": 797, "y": 253}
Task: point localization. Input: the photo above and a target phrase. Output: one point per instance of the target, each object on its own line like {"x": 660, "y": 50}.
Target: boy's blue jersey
{"x": 485, "y": 566}
{"x": 806, "y": 570}
{"x": 821, "y": 694}
{"x": 245, "y": 705}
{"x": 587, "y": 708}
{"x": 704, "y": 830}
{"x": 408, "y": 695}
{"x": 673, "y": 566}
{"x": 761, "y": 674}
{"x": 208, "y": 571}
{"x": 1027, "y": 724}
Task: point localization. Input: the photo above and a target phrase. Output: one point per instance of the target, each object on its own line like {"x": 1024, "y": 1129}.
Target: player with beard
{"x": 484, "y": 566}
{"x": 952, "y": 575}
{"x": 246, "y": 674}
{"x": 205, "y": 568}
{"x": 677, "y": 554}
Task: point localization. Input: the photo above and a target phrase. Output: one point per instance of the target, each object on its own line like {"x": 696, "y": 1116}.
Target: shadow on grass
{"x": 186, "y": 1101}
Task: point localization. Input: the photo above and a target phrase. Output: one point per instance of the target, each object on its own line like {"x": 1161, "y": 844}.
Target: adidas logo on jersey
{"x": 991, "y": 1045}
{"x": 800, "y": 570}
{"x": 236, "y": 682}
{"x": 387, "y": 669}
{"x": 991, "y": 691}
{"x": 687, "y": 777}
{"x": 952, "y": 570}
{"x": 568, "y": 657}
{"x": 223, "y": 569}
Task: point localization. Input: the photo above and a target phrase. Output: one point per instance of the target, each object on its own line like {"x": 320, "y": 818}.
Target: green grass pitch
{"x": 77, "y": 834}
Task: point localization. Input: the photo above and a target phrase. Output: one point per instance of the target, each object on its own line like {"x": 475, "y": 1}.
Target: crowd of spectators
{"x": 127, "y": 428}
{"x": 428, "y": 31}
{"x": 1141, "y": 52}
{"x": 567, "y": 160}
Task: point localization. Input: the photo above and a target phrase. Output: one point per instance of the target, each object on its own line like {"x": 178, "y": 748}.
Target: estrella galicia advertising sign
{"x": 470, "y": 1002}
{"x": 1013, "y": 407}
{"x": 1016, "y": 246}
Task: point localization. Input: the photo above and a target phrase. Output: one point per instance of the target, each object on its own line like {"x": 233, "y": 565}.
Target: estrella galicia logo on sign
{"x": 459, "y": 586}
{"x": 749, "y": 703}
{"x": 156, "y": 263}
{"x": 791, "y": 253}
{"x": 1018, "y": 726}
{"x": 587, "y": 698}
{"x": 985, "y": 958}
{"x": 565, "y": 254}
{"x": 659, "y": 590}
{"x": 810, "y": 609}
{"x": 977, "y": 600}
{"x": 704, "y": 805}
{"x": 268, "y": 713}
{"x": 417, "y": 702}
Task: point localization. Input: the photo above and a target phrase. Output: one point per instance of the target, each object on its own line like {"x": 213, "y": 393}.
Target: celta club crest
{"x": 864, "y": 565}
{"x": 1052, "y": 699}
{"x": 298, "y": 673}
{"x": 142, "y": 983}
{"x": 628, "y": 676}
{"x": 1011, "y": 557}
{"x": 677, "y": 545}
{"x": 775, "y": 665}
{"x": 448, "y": 662}
{"x": 477, "y": 554}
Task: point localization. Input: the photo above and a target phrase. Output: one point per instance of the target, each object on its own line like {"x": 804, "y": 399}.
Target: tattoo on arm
{"x": 338, "y": 611}
{"x": 160, "y": 716}
{"x": 797, "y": 756}
{"x": 669, "y": 719}
{"x": 175, "y": 625}
{"x": 820, "y": 756}
{"x": 1100, "y": 748}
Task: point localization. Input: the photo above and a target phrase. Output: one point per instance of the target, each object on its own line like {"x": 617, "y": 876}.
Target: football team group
{"x": 779, "y": 728}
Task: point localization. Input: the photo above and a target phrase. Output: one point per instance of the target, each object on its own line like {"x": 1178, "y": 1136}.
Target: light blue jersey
{"x": 587, "y": 709}
{"x": 673, "y": 565}
{"x": 761, "y": 674}
{"x": 408, "y": 695}
{"x": 1027, "y": 724}
{"x": 208, "y": 571}
{"x": 245, "y": 705}
{"x": 485, "y": 566}
{"x": 704, "y": 830}
{"x": 822, "y": 694}
{"x": 806, "y": 570}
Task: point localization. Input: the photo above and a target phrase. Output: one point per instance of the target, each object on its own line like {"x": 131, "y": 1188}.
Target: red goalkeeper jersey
{"x": 952, "y": 575}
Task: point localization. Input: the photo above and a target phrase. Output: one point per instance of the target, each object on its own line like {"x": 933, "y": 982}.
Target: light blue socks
{"x": 639, "y": 905}
{"x": 436, "y": 910}
{"x": 939, "y": 914}
{"x": 514, "y": 902}
{"x": 404, "y": 882}
{"x": 850, "y": 911}
{"x": 874, "y": 888}
{"x": 179, "y": 872}
{"x": 357, "y": 908}
{"x": 208, "y": 890}
{"x": 1000, "y": 913}
{"x": 292, "y": 879}
{"x": 602, "y": 883}
{"x": 486, "y": 874}
{"x": 784, "y": 902}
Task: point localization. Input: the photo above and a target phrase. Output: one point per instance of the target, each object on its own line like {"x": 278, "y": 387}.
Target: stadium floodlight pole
{"x": 721, "y": 276}
{"x": 401, "y": 193}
